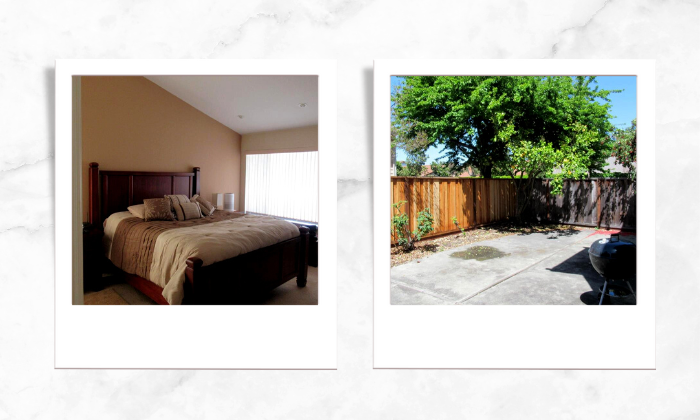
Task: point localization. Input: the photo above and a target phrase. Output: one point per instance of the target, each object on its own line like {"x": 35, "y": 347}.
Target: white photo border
{"x": 199, "y": 337}
{"x": 515, "y": 337}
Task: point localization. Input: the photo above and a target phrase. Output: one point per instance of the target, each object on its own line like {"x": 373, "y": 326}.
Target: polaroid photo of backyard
{"x": 167, "y": 148}
{"x": 513, "y": 190}
{"x": 514, "y": 214}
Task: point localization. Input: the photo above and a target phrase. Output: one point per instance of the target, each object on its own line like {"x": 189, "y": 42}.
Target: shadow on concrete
{"x": 553, "y": 232}
{"x": 580, "y": 264}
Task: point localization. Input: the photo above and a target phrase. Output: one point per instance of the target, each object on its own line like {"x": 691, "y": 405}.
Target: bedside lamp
{"x": 228, "y": 202}
{"x": 218, "y": 200}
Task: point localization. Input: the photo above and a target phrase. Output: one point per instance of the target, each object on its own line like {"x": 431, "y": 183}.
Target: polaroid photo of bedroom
{"x": 195, "y": 192}
{"x": 199, "y": 190}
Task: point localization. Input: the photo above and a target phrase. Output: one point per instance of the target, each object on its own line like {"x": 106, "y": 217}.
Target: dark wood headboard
{"x": 113, "y": 191}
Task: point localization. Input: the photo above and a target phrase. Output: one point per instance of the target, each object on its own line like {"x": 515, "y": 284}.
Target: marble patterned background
{"x": 34, "y": 33}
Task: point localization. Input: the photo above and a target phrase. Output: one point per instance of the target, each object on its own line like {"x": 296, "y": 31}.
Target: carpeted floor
{"x": 290, "y": 294}
{"x": 104, "y": 297}
{"x": 115, "y": 293}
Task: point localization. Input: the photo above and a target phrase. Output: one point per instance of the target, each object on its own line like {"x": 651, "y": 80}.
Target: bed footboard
{"x": 245, "y": 278}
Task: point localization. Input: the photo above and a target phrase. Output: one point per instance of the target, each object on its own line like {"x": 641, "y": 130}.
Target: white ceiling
{"x": 266, "y": 102}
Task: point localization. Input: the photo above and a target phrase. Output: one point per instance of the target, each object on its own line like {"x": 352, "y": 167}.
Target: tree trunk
{"x": 486, "y": 171}
{"x": 525, "y": 191}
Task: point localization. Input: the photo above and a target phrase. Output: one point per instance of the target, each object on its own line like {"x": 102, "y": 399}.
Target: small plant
{"x": 400, "y": 226}
{"x": 454, "y": 220}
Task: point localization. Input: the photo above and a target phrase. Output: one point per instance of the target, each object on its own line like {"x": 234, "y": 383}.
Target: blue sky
{"x": 624, "y": 105}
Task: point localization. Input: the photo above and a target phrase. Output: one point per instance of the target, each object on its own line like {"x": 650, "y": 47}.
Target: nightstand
{"x": 92, "y": 256}
{"x": 238, "y": 212}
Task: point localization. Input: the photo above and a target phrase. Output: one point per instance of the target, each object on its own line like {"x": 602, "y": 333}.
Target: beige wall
{"x": 303, "y": 139}
{"x": 130, "y": 123}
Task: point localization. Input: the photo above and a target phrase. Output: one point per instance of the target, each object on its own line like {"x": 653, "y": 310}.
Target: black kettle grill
{"x": 616, "y": 261}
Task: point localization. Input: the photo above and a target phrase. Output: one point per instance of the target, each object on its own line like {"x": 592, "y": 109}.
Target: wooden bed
{"x": 238, "y": 280}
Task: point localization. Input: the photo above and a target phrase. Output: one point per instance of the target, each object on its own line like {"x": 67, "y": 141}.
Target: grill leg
{"x": 631, "y": 290}
{"x": 602, "y": 295}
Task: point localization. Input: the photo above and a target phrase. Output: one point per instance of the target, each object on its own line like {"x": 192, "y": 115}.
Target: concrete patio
{"x": 549, "y": 268}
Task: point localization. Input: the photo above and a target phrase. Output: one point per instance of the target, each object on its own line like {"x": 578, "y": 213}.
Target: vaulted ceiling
{"x": 249, "y": 104}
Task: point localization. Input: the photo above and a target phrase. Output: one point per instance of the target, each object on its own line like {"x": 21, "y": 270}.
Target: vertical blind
{"x": 283, "y": 184}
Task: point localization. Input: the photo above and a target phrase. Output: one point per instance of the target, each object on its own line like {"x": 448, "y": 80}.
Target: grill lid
{"x": 612, "y": 248}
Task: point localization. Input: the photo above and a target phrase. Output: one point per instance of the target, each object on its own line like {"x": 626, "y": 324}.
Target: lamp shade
{"x": 218, "y": 200}
{"x": 228, "y": 202}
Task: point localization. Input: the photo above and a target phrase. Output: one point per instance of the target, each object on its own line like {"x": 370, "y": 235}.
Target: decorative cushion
{"x": 191, "y": 210}
{"x": 157, "y": 209}
{"x": 176, "y": 204}
{"x": 138, "y": 210}
{"x": 207, "y": 207}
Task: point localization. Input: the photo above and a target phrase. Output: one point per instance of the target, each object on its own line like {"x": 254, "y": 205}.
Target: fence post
{"x": 489, "y": 184}
{"x": 473, "y": 181}
{"x": 407, "y": 192}
{"x": 546, "y": 201}
{"x": 598, "y": 208}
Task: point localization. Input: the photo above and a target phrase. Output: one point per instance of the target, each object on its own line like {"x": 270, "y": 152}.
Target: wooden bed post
{"x": 193, "y": 265}
{"x": 94, "y": 194}
{"x": 303, "y": 256}
{"x": 195, "y": 181}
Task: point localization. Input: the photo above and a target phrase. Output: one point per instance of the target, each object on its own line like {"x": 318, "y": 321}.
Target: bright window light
{"x": 283, "y": 185}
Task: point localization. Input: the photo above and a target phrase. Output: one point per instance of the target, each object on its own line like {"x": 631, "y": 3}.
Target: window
{"x": 283, "y": 185}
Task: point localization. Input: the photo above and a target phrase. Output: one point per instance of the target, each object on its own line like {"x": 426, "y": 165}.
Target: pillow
{"x": 138, "y": 210}
{"x": 157, "y": 209}
{"x": 191, "y": 210}
{"x": 206, "y": 207}
{"x": 176, "y": 204}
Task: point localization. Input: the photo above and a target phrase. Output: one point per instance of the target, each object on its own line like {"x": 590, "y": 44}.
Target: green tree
{"x": 414, "y": 165}
{"x": 442, "y": 169}
{"x": 624, "y": 148}
{"x": 511, "y": 125}
{"x": 474, "y": 117}
{"x": 441, "y": 107}
{"x": 571, "y": 159}
{"x": 414, "y": 144}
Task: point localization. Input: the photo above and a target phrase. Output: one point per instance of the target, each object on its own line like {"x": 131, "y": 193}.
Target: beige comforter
{"x": 211, "y": 242}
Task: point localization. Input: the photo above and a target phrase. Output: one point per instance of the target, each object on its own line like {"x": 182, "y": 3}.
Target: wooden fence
{"x": 599, "y": 202}
{"x": 609, "y": 203}
{"x": 473, "y": 201}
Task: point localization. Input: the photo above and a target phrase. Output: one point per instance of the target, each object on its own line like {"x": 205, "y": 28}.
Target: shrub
{"x": 454, "y": 220}
{"x": 400, "y": 226}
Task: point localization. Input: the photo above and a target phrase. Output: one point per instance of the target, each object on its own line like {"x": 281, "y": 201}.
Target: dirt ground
{"x": 430, "y": 246}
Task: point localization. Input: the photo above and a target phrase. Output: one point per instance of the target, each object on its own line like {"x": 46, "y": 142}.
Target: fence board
{"x": 576, "y": 204}
{"x": 618, "y": 202}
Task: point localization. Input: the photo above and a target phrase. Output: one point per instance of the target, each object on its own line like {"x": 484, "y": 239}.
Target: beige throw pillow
{"x": 157, "y": 209}
{"x": 139, "y": 210}
{"x": 207, "y": 207}
{"x": 176, "y": 203}
{"x": 191, "y": 210}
